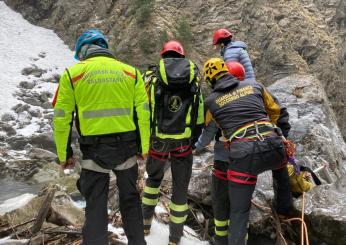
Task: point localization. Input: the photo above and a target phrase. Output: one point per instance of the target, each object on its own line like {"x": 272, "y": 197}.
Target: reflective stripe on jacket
{"x": 106, "y": 92}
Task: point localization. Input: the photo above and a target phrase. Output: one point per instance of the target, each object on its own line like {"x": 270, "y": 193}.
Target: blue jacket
{"x": 236, "y": 51}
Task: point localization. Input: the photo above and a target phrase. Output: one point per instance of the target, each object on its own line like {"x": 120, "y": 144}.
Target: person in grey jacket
{"x": 233, "y": 51}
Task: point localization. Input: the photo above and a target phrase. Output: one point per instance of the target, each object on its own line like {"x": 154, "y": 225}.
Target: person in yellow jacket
{"x": 111, "y": 111}
{"x": 177, "y": 117}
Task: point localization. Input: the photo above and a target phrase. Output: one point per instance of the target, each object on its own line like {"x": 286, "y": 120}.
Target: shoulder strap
{"x": 69, "y": 76}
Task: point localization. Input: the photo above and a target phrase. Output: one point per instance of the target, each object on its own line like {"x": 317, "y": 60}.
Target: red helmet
{"x": 236, "y": 69}
{"x": 174, "y": 46}
{"x": 220, "y": 34}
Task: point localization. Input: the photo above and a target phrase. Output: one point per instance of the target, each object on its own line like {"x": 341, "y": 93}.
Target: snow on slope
{"x": 20, "y": 45}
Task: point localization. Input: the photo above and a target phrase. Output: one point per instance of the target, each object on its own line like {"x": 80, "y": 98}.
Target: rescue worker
{"x": 250, "y": 120}
{"x": 109, "y": 100}
{"x": 233, "y": 51}
{"x": 177, "y": 112}
{"x": 219, "y": 189}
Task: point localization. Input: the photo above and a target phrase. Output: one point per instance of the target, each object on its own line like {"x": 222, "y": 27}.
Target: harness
{"x": 254, "y": 131}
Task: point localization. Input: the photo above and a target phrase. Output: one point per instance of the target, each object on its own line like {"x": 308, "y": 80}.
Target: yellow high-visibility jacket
{"x": 105, "y": 92}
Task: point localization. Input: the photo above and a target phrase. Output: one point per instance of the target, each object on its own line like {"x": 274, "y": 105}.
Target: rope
{"x": 304, "y": 229}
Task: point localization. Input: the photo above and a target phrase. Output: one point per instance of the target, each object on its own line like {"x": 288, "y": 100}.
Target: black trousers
{"x": 94, "y": 187}
{"x": 180, "y": 156}
{"x": 247, "y": 160}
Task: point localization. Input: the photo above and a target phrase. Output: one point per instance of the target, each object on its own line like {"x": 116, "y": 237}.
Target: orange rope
{"x": 290, "y": 148}
{"x": 302, "y": 217}
{"x": 304, "y": 229}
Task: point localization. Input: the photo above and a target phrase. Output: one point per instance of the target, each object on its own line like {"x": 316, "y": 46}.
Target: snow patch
{"x": 23, "y": 44}
{"x": 15, "y": 203}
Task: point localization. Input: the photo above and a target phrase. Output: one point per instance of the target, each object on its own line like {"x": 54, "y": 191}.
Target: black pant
{"x": 94, "y": 187}
{"x": 179, "y": 154}
{"x": 247, "y": 160}
{"x": 220, "y": 202}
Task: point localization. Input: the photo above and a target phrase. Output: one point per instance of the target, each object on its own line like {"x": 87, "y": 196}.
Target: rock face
{"x": 284, "y": 38}
{"x": 314, "y": 130}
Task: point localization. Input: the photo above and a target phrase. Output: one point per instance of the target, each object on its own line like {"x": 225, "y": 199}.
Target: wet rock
{"x": 44, "y": 141}
{"x": 38, "y": 153}
{"x": 27, "y": 85}
{"x": 33, "y": 70}
{"x": 6, "y": 117}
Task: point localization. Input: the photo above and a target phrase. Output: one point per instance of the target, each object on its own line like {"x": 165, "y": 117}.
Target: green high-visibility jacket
{"x": 105, "y": 92}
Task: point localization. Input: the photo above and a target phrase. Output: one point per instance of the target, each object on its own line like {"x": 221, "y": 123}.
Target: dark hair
{"x": 225, "y": 41}
{"x": 172, "y": 54}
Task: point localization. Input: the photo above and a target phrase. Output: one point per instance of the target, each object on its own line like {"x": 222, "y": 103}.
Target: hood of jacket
{"x": 89, "y": 51}
{"x": 237, "y": 44}
{"x": 226, "y": 82}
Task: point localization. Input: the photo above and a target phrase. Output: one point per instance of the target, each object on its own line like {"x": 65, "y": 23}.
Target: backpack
{"x": 176, "y": 95}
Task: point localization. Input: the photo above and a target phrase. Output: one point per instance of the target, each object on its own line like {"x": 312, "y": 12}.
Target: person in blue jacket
{"x": 233, "y": 51}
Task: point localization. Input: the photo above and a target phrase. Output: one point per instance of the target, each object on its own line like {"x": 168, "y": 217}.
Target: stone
{"x": 35, "y": 113}
{"x": 8, "y": 129}
{"x": 32, "y": 101}
{"x": 44, "y": 141}
{"x": 38, "y": 153}
{"x": 27, "y": 85}
{"x": 24, "y": 117}
{"x": 33, "y": 70}
{"x": 6, "y": 117}
{"x": 20, "y": 108}
{"x": 47, "y": 105}
{"x": 17, "y": 142}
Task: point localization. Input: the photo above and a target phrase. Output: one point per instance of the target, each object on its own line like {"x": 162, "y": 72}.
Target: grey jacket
{"x": 236, "y": 51}
{"x": 208, "y": 134}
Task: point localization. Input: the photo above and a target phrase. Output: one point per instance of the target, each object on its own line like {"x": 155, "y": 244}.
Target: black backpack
{"x": 176, "y": 93}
